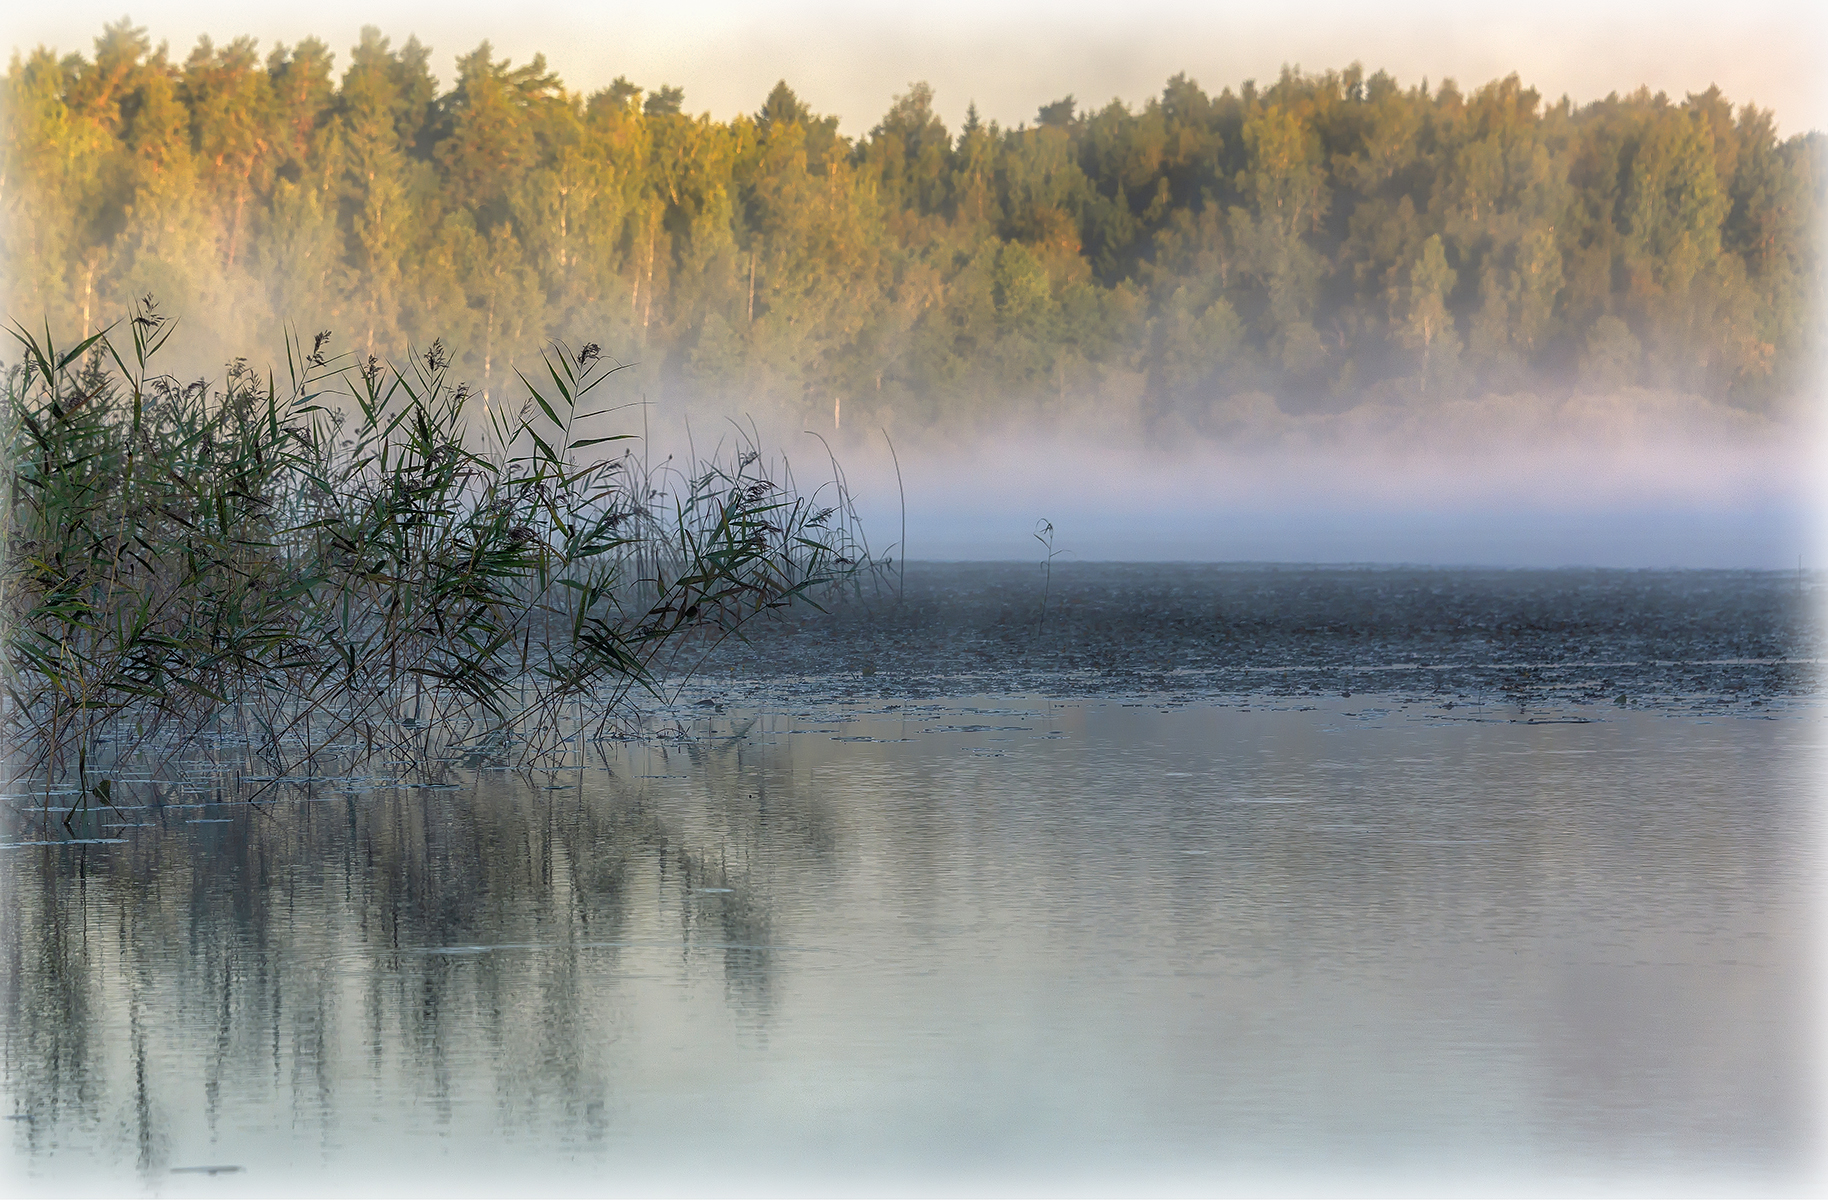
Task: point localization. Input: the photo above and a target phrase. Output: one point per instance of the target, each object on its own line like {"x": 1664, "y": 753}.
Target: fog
{"x": 1559, "y": 476}
{"x": 1320, "y": 507}
{"x": 1634, "y": 478}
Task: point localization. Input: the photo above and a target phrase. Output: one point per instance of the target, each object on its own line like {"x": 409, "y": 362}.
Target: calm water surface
{"x": 997, "y": 941}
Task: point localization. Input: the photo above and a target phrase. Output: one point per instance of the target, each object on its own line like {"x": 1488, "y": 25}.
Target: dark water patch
{"x": 1563, "y": 636}
{"x": 65, "y": 842}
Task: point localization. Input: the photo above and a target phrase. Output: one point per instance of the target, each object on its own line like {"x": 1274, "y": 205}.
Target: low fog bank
{"x": 1768, "y": 538}
{"x": 1633, "y": 479}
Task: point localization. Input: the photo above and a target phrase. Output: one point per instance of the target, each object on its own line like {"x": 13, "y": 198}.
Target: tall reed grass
{"x": 346, "y": 560}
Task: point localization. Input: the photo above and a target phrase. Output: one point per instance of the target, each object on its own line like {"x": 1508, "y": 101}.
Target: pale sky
{"x": 851, "y": 59}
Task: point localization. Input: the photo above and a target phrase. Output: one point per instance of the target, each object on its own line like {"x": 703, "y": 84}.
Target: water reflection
{"x": 1004, "y": 935}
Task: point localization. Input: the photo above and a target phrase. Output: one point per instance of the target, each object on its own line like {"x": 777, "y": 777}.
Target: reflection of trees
{"x": 433, "y": 929}
{"x": 332, "y": 951}
{"x": 243, "y": 944}
{"x": 50, "y": 969}
{"x": 762, "y": 829}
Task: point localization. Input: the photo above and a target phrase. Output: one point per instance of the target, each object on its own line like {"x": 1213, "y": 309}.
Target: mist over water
{"x": 1631, "y": 479}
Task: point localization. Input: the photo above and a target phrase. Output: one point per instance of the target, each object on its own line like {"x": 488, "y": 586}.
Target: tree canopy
{"x": 1325, "y": 238}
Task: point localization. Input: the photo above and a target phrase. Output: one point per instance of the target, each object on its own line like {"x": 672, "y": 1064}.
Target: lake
{"x": 1132, "y": 879}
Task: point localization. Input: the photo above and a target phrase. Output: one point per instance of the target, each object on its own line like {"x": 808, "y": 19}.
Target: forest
{"x": 1321, "y": 240}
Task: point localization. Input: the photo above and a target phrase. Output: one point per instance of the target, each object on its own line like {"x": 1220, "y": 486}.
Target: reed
{"x": 1044, "y": 533}
{"x": 345, "y": 560}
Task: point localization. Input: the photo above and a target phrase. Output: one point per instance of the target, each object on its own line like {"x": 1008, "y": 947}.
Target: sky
{"x": 1010, "y": 58}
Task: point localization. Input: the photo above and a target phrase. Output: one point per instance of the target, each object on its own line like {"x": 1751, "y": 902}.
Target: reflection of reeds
{"x": 341, "y": 561}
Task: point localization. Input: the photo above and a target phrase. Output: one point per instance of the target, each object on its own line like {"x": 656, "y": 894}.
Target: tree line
{"x": 1324, "y": 239}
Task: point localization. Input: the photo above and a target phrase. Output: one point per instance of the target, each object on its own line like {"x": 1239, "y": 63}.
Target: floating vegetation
{"x": 343, "y": 564}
